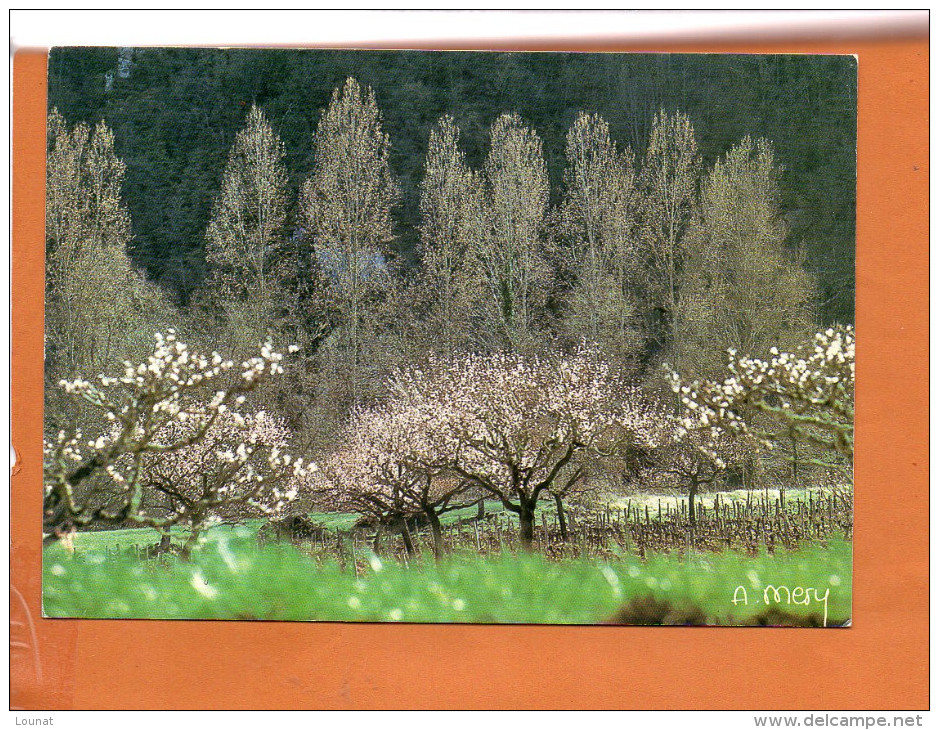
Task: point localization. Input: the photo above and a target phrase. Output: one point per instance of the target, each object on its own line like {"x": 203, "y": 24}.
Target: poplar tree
{"x": 668, "y": 184}
{"x": 597, "y": 217}
{"x": 510, "y": 252}
{"x": 256, "y": 281}
{"x": 743, "y": 287}
{"x": 346, "y": 205}
{"x": 451, "y": 222}
{"x": 98, "y": 306}
{"x": 245, "y": 234}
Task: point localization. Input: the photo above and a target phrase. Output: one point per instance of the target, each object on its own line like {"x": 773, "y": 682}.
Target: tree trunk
{"x": 376, "y": 543}
{"x": 795, "y": 473}
{"x": 692, "y": 493}
{"x": 481, "y": 508}
{"x": 406, "y": 536}
{"x": 526, "y": 524}
{"x": 795, "y": 463}
{"x": 165, "y": 543}
{"x": 186, "y": 552}
{"x": 436, "y": 531}
{"x": 562, "y": 521}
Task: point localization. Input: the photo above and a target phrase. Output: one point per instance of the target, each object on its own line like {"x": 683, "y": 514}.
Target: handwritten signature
{"x": 784, "y": 595}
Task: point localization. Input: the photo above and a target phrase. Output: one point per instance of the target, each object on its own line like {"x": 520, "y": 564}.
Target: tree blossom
{"x": 517, "y": 427}
{"x": 165, "y": 411}
{"x": 239, "y": 468}
{"x": 389, "y": 468}
{"x": 690, "y": 459}
{"x": 808, "y": 393}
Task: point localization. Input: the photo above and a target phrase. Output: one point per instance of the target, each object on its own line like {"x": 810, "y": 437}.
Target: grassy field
{"x": 230, "y": 577}
{"x": 144, "y": 537}
{"x": 603, "y": 580}
{"x": 652, "y": 505}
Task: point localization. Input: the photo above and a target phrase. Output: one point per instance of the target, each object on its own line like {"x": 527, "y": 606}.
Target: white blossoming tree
{"x": 806, "y": 396}
{"x": 392, "y": 467}
{"x": 168, "y": 428}
{"x": 518, "y": 428}
{"x": 233, "y": 471}
{"x": 692, "y": 460}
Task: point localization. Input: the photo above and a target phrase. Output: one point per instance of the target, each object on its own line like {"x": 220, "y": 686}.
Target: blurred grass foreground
{"x": 231, "y": 577}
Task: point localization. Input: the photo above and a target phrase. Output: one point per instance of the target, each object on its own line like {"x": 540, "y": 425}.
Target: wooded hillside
{"x": 175, "y": 114}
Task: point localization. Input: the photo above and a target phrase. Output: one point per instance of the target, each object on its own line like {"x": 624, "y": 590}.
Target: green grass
{"x": 102, "y": 540}
{"x": 127, "y": 539}
{"x": 145, "y": 536}
{"x": 229, "y": 577}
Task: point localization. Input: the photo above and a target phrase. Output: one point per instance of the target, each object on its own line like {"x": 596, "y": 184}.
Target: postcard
{"x": 449, "y": 337}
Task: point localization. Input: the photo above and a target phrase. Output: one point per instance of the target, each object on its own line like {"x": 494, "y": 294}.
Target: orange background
{"x": 880, "y": 663}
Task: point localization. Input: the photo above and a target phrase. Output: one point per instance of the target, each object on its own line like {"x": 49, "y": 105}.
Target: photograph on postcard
{"x": 443, "y": 336}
